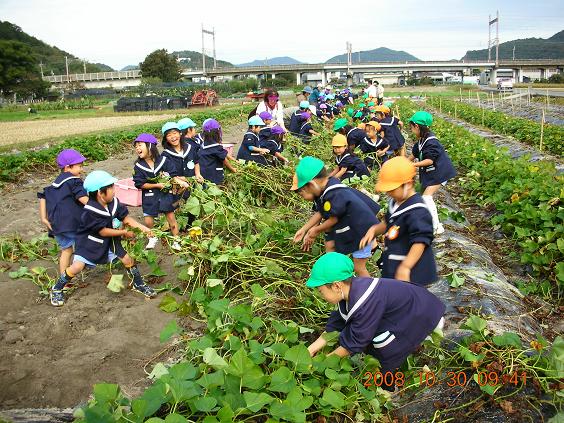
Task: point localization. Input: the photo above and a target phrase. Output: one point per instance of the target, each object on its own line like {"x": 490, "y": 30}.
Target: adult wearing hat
{"x": 271, "y": 103}
{"x": 304, "y": 94}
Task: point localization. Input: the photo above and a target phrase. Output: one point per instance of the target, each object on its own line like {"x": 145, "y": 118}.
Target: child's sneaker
{"x": 152, "y": 243}
{"x": 176, "y": 246}
{"x": 57, "y": 298}
{"x": 144, "y": 289}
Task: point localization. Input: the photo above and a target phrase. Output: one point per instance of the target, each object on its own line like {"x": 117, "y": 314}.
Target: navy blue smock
{"x": 89, "y": 243}
{"x": 385, "y": 318}
{"x": 355, "y": 137}
{"x": 142, "y": 172}
{"x": 355, "y": 211}
{"x": 211, "y": 157}
{"x": 392, "y": 132}
{"x": 250, "y": 140}
{"x": 408, "y": 224}
{"x": 441, "y": 170}
{"x": 354, "y": 165}
{"x": 63, "y": 208}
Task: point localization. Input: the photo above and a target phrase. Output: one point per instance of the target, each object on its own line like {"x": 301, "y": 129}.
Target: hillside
{"x": 381, "y": 54}
{"x": 284, "y": 60}
{"x": 528, "y": 48}
{"x": 53, "y": 58}
{"x": 193, "y": 59}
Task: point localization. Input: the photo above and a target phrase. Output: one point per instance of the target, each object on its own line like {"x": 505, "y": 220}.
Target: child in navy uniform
{"x": 188, "y": 133}
{"x": 348, "y": 164}
{"x": 148, "y": 166}
{"x": 408, "y": 255}
{"x": 249, "y": 149}
{"x": 354, "y": 135}
{"x": 381, "y": 317}
{"x": 435, "y": 166}
{"x": 265, "y": 131}
{"x": 373, "y": 146}
{"x": 178, "y": 154}
{"x": 275, "y": 145}
{"x": 391, "y": 126}
{"x": 346, "y": 213}
{"x": 306, "y": 130}
{"x": 98, "y": 238}
{"x": 294, "y": 127}
{"x": 60, "y": 204}
{"x": 212, "y": 157}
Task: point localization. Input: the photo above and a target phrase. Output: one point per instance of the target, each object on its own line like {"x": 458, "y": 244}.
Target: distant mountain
{"x": 193, "y": 59}
{"x": 130, "y": 67}
{"x": 284, "y": 60}
{"x": 527, "y": 48}
{"x": 53, "y": 58}
{"x": 381, "y": 54}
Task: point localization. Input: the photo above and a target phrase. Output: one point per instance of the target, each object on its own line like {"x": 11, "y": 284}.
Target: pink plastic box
{"x": 229, "y": 148}
{"x": 127, "y": 193}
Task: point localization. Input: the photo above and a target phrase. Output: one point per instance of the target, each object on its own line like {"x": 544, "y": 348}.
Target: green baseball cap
{"x": 340, "y": 123}
{"x": 350, "y": 111}
{"x": 329, "y": 268}
{"x": 307, "y": 169}
{"x": 361, "y": 106}
{"x": 422, "y": 118}
{"x": 358, "y": 114}
{"x": 371, "y": 104}
{"x": 389, "y": 104}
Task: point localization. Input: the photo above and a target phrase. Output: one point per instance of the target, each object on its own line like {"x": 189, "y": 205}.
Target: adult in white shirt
{"x": 380, "y": 92}
{"x": 272, "y": 104}
{"x": 372, "y": 90}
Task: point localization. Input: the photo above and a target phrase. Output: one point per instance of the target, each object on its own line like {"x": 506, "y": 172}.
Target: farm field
{"x": 225, "y": 340}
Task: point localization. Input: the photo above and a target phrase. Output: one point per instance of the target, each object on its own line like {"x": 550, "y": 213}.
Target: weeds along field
{"x": 243, "y": 278}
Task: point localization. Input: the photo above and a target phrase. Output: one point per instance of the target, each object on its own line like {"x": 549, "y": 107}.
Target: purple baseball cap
{"x": 210, "y": 125}
{"x": 265, "y": 115}
{"x": 144, "y": 137}
{"x": 323, "y": 106}
{"x": 69, "y": 157}
{"x": 339, "y": 104}
{"x": 277, "y": 130}
{"x": 305, "y": 115}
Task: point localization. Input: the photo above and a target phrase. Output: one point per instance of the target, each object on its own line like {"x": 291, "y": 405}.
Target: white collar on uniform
{"x": 361, "y": 300}
{"x": 332, "y": 187}
{"x": 351, "y": 131}
{"x": 174, "y": 153}
{"x": 209, "y": 145}
{"x": 150, "y": 169}
{"x": 339, "y": 160}
{"x": 394, "y": 212}
{"x": 57, "y": 185}
{"x": 253, "y": 134}
{"x": 422, "y": 144}
{"x": 106, "y": 211}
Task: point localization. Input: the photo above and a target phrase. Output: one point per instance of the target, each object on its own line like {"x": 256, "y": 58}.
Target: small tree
{"x": 160, "y": 64}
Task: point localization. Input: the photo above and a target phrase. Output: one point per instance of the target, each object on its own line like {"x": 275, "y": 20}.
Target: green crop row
{"x": 522, "y": 129}
{"x": 100, "y": 146}
{"x": 528, "y": 197}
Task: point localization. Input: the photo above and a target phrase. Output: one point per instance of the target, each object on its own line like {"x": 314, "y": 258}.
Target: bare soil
{"x": 51, "y": 357}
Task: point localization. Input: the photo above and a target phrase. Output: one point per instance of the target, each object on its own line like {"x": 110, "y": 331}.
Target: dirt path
{"x": 11, "y": 132}
{"x": 51, "y": 357}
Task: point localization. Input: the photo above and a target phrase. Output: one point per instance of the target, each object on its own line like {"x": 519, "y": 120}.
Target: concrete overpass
{"x": 324, "y": 71}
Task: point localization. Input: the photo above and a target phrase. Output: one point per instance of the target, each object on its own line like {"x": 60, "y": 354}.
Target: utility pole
{"x": 214, "y": 59}
{"x": 349, "y": 63}
{"x": 497, "y": 39}
{"x": 41, "y": 67}
{"x": 203, "y": 53}
{"x": 513, "y": 51}
{"x": 84, "y": 66}
{"x": 67, "y": 67}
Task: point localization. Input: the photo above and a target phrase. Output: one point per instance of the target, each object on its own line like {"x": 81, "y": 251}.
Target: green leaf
{"x": 475, "y": 323}
{"x": 192, "y": 205}
{"x": 256, "y": 401}
{"x": 205, "y": 404}
{"x": 279, "y": 348}
{"x": 508, "y": 339}
{"x": 211, "y": 380}
{"x": 556, "y": 358}
{"x": 335, "y": 399}
{"x": 487, "y": 388}
{"x": 212, "y": 358}
{"x": 183, "y": 371}
{"x": 139, "y": 408}
{"x": 455, "y": 280}
{"x": 22, "y": 271}
{"x": 225, "y": 414}
{"x": 158, "y": 371}
{"x": 157, "y": 271}
{"x": 242, "y": 366}
{"x": 258, "y": 291}
{"x": 312, "y": 386}
{"x": 106, "y": 392}
{"x": 116, "y": 283}
{"x": 170, "y": 329}
{"x": 469, "y": 355}
{"x": 282, "y": 380}
{"x": 300, "y": 356}
{"x": 168, "y": 304}
{"x": 175, "y": 418}
{"x": 209, "y": 207}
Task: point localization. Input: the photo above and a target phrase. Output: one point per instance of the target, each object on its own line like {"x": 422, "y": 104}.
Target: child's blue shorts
{"x": 66, "y": 240}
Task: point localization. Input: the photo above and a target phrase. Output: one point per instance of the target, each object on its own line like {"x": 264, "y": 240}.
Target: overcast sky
{"x": 123, "y": 32}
